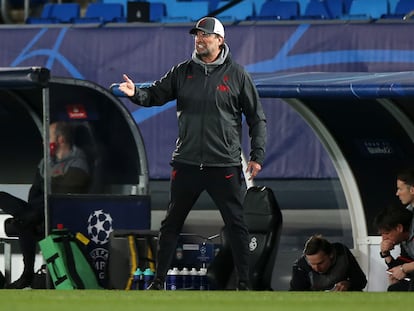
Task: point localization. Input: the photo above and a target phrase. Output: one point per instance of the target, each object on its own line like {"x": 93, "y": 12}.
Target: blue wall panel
{"x": 102, "y": 55}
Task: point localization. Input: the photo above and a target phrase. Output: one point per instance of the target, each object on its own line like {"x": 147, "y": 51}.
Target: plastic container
{"x": 137, "y": 282}
{"x": 172, "y": 282}
{"x": 195, "y": 279}
{"x": 148, "y": 277}
{"x": 203, "y": 279}
{"x": 185, "y": 278}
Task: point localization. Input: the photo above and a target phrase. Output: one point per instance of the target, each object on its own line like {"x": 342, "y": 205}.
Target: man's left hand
{"x": 253, "y": 168}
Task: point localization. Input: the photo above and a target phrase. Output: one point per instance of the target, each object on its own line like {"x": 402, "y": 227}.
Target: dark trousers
{"x": 28, "y": 231}
{"x": 402, "y": 286}
{"x": 223, "y": 184}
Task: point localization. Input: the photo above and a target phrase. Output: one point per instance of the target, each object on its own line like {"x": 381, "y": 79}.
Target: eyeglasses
{"x": 202, "y": 34}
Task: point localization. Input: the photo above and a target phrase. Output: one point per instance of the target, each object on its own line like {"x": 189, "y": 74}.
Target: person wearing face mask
{"x": 213, "y": 93}
{"x": 326, "y": 266}
{"x": 69, "y": 174}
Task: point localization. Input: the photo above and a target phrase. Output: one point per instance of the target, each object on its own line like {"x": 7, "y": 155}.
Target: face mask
{"x": 52, "y": 149}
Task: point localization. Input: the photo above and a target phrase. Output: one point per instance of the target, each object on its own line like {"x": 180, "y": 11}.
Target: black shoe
{"x": 157, "y": 284}
{"x": 22, "y": 282}
{"x": 243, "y": 286}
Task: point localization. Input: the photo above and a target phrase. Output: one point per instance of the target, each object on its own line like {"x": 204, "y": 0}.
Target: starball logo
{"x": 99, "y": 230}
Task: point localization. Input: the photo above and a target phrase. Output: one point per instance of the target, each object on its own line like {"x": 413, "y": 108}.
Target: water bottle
{"x": 203, "y": 279}
{"x": 172, "y": 276}
{"x": 148, "y": 277}
{"x": 185, "y": 278}
{"x": 195, "y": 283}
{"x": 136, "y": 283}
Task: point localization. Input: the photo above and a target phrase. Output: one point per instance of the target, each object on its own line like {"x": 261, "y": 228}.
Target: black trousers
{"x": 402, "y": 286}
{"x": 223, "y": 184}
{"x": 28, "y": 231}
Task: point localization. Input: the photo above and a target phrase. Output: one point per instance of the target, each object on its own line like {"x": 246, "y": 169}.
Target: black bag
{"x": 129, "y": 250}
{"x": 39, "y": 278}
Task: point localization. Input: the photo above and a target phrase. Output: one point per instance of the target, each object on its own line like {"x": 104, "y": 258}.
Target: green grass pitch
{"x": 117, "y": 300}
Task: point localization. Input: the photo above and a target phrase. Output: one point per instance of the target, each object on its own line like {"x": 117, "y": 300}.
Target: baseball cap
{"x": 209, "y": 25}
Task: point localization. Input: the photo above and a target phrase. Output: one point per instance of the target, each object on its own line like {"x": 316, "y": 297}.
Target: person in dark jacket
{"x": 395, "y": 223}
{"x": 326, "y": 266}
{"x": 213, "y": 93}
{"x": 69, "y": 173}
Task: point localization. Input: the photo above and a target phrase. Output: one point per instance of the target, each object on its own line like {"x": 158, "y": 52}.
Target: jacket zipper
{"x": 202, "y": 125}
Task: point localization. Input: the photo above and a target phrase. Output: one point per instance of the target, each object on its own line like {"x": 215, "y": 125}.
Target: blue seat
{"x": 123, "y": 2}
{"x": 347, "y": 6}
{"x": 257, "y": 5}
{"x": 103, "y": 13}
{"x": 367, "y": 9}
{"x": 302, "y": 5}
{"x": 157, "y": 11}
{"x": 54, "y": 13}
{"x": 402, "y": 8}
{"x": 336, "y": 7}
{"x": 324, "y": 9}
{"x": 239, "y": 12}
{"x": 178, "y": 11}
{"x": 277, "y": 10}
{"x": 316, "y": 9}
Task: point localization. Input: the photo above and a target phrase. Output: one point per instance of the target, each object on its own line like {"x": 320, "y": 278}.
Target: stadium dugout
{"x": 103, "y": 127}
{"x": 365, "y": 121}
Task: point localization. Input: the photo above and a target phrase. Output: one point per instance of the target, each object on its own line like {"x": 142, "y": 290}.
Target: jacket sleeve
{"x": 255, "y": 118}
{"x": 300, "y": 277}
{"x": 159, "y": 93}
{"x": 75, "y": 180}
{"x": 401, "y": 259}
{"x": 356, "y": 276}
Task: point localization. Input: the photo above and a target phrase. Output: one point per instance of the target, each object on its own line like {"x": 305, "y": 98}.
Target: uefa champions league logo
{"x": 99, "y": 227}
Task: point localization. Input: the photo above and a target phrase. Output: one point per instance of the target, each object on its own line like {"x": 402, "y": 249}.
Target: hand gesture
{"x": 127, "y": 87}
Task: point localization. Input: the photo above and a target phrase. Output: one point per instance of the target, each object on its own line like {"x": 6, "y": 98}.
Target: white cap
{"x": 209, "y": 25}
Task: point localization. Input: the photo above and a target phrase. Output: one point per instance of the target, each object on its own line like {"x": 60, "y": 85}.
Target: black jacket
{"x": 345, "y": 268}
{"x": 211, "y": 99}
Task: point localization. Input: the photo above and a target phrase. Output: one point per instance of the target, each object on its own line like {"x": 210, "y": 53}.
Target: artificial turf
{"x": 117, "y": 300}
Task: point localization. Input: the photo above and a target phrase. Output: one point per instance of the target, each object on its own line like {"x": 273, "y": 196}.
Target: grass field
{"x": 113, "y": 300}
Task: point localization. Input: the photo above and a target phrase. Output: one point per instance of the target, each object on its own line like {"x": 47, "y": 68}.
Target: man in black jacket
{"x": 69, "y": 173}
{"x": 396, "y": 226}
{"x": 326, "y": 266}
{"x": 212, "y": 93}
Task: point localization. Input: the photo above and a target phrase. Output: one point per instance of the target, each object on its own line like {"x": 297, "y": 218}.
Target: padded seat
{"x": 103, "y": 13}
{"x": 55, "y": 13}
{"x": 403, "y": 8}
{"x": 367, "y": 9}
{"x": 264, "y": 221}
{"x": 277, "y": 10}
{"x": 323, "y": 9}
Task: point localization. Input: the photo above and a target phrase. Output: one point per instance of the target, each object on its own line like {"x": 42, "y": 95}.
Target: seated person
{"x": 326, "y": 266}
{"x": 69, "y": 174}
{"x": 396, "y": 226}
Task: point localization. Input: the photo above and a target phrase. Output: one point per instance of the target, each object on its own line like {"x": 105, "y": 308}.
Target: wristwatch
{"x": 385, "y": 254}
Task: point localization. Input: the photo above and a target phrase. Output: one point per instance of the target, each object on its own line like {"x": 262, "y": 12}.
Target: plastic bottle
{"x": 148, "y": 277}
{"x": 194, "y": 276}
{"x": 136, "y": 283}
{"x": 172, "y": 276}
{"x": 185, "y": 278}
{"x": 203, "y": 279}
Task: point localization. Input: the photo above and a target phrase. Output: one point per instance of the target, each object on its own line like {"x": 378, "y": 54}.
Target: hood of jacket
{"x": 208, "y": 67}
